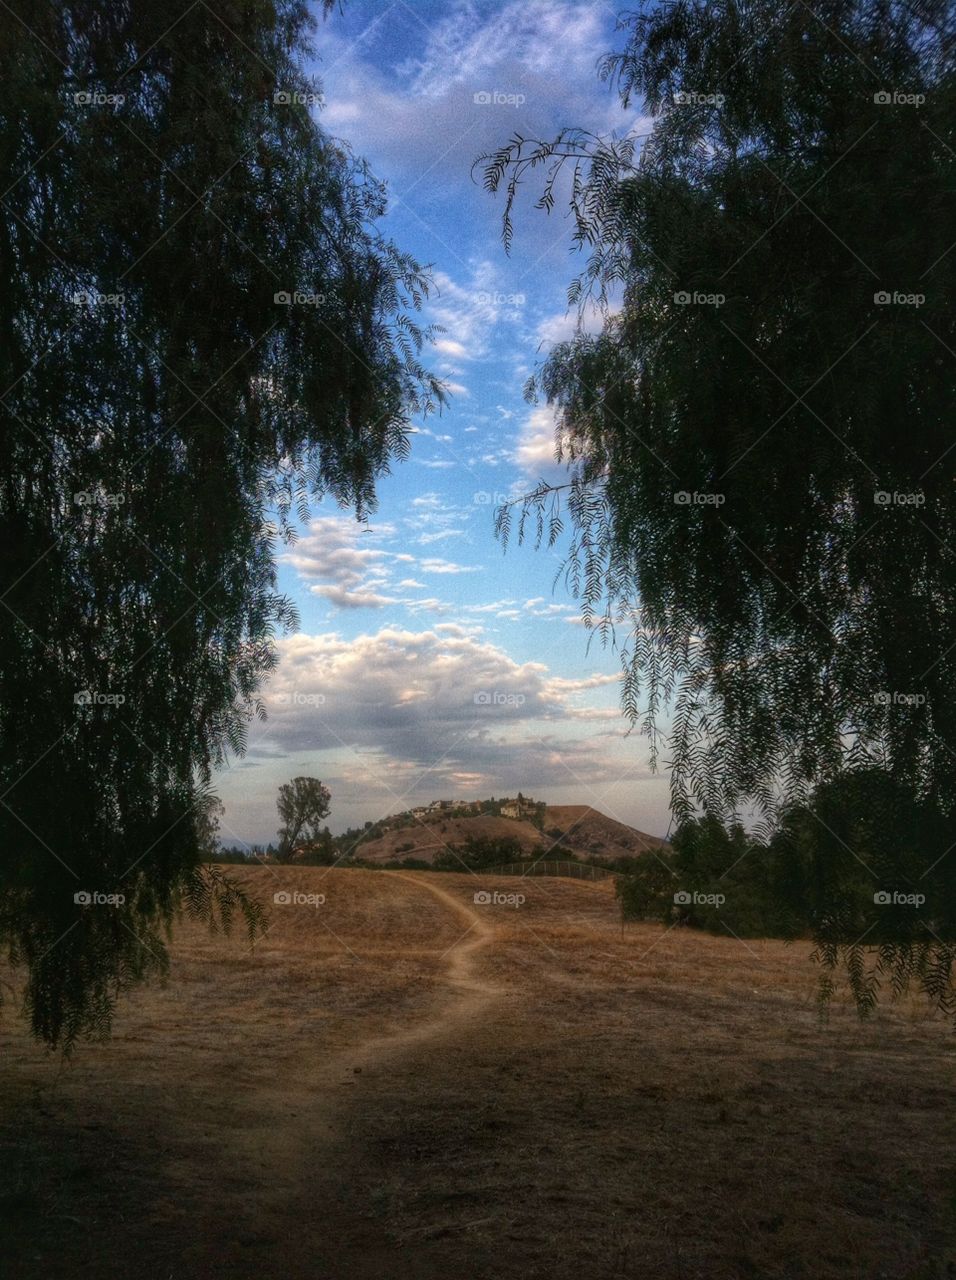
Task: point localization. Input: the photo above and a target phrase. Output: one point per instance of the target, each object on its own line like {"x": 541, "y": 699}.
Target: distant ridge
{"x": 583, "y": 830}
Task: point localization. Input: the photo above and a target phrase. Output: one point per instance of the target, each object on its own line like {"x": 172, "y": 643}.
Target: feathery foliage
{"x": 760, "y": 435}
{"x": 200, "y": 328}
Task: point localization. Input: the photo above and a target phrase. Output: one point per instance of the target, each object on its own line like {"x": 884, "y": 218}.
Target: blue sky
{"x": 428, "y": 662}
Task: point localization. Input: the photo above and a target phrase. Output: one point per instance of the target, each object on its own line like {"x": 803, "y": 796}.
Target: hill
{"x": 585, "y": 831}
{"x": 592, "y": 834}
{"x": 433, "y": 835}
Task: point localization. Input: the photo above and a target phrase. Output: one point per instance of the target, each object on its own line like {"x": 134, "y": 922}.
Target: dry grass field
{"x": 400, "y": 1083}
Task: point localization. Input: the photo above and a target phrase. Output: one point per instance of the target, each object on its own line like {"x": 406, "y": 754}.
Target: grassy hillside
{"x": 585, "y": 831}
{"x": 592, "y": 834}
{"x": 435, "y": 835}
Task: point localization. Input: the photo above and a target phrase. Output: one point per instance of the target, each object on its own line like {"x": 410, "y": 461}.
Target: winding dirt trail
{"x": 473, "y": 993}
{"x": 408, "y": 1083}
{"x": 361, "y": 1248}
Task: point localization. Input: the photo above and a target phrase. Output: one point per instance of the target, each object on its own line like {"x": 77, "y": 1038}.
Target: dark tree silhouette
{"x": 302, "y": 805}
{"x": 760, "y": 435}
{"x": 200, "y": 327}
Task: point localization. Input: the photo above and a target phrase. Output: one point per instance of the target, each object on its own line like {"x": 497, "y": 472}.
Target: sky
{"x": 430, "y": 662}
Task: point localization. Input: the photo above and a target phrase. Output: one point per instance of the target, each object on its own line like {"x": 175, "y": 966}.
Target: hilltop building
{"x": 521, "y": 807}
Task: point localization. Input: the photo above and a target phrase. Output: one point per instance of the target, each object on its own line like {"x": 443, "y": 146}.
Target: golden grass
{"x": 393, "y": 1085}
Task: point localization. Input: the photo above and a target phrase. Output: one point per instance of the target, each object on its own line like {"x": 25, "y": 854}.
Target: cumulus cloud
{"x": 536, "y": 448}
{"x": 338, "y": 568}
{"x": 354, "y": 568}
{"x": 442, "y": 699}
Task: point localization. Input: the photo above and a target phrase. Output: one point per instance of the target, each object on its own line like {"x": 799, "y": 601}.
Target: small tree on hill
{"x": 302, "y": 805}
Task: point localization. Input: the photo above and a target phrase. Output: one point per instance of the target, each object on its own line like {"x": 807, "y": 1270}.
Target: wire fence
{"x": 576, "y": 870}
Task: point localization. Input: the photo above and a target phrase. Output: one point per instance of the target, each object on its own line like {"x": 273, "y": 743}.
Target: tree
{"x": 477, "y": 853}
{"x": 865, "y": 860}
{"x": 302, "y": 805}
{"x": 760, "y": 435}
{"x": 647, "y": 891}
{"x": 200, "y": 328}
{"x": 209, "y": 812}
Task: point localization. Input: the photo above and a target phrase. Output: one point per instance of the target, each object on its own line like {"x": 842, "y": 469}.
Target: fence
{"x": 577, "y": 870}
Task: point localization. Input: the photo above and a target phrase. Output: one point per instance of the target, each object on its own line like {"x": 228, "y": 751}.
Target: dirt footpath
{"x": 405, "y": 1082}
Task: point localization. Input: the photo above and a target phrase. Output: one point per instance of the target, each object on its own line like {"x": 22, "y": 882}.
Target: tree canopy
{"x": 201, "y": 328}
{"x": 760, "y": 434}
{"x": 302, "y": 805}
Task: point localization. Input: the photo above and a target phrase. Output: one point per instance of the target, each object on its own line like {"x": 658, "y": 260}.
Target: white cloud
{"x": 428, "y": 538}
{"x": 436, "y": 565}
{"x": 442, "y": 697}
{"x": 339, "y": 566}
{"x": 535, "y": 453}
